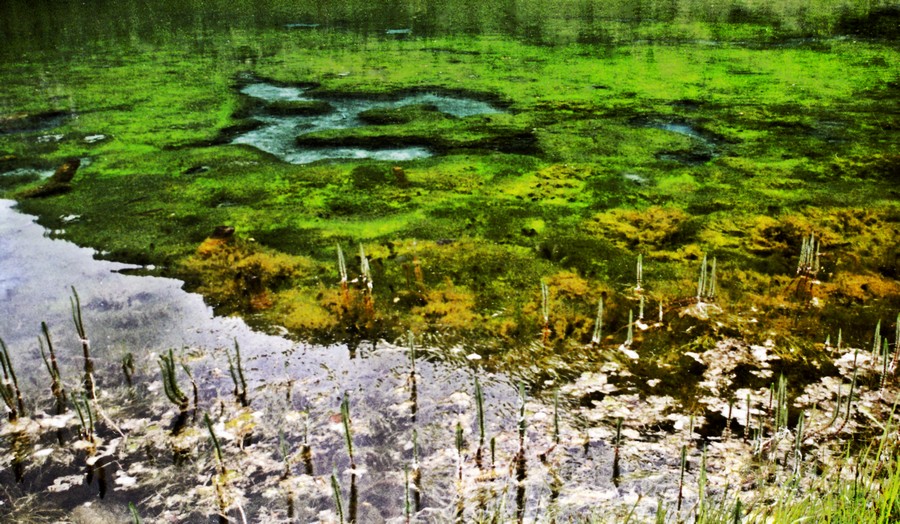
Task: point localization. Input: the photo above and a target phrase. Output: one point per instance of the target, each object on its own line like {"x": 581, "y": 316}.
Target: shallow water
{"x": 290, "y": 382}
{"x": 278, "y": 134}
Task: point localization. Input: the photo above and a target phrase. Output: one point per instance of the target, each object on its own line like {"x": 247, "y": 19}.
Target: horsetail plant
{"x": 598, "y": 324}
{"x": 336, "y": 491}
{"x": 83, "y": 409}
{"x": 407, "y": 500}
{"x": 629, "y": 339}
{"x": 56, "y": 386}
{"x": 556, "y": 417}
{"x": 367, "y": 282}
{"x": 416, "y": 471}
{"x": 220, "y": 478}
{"x": 413, "y": 386}
{"x": 706, "y": 284}
{"x": 194, "y": 389}
{"x": 9, "y": 388}
{"x": 616, "y": 471}
{"x": 75, "y": 302}
{"x": 345, "y": 419}
{"x": 520, "y": 458}
{"x": 170, "y": 383}
{"x": 640, "y": 273}
{"x": 237, "y": 375}
{"x": 135, "y": 516}
{"x": 342, "y": 265}
{"x": 479, "y": 405}
{"x": 545, "y": 312}
{"x": 128, "y": 368}
{"x": 876, "y": 342}
{"x": 681, "y": 478}
{"x": 896, "y": 346}
{"x": 460, "y": 445}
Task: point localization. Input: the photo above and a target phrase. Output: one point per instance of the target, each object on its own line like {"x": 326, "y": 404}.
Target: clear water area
{"x": 278, "y": 133}
{"x": 295, "y": 391}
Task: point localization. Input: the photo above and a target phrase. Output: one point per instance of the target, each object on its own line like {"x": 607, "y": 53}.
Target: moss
{"x": 567, "y": 186}
{"x": 653, "y": 229}
{"x": 299, "y": 107}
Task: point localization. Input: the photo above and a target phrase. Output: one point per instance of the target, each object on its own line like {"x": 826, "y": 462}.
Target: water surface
{"x": 278, "y": 133}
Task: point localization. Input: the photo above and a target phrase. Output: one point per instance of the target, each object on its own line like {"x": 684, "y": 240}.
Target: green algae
{"x": 569, "y": 185}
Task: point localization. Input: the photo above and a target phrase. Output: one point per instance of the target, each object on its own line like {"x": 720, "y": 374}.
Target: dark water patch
{"x": 32, "y": 122}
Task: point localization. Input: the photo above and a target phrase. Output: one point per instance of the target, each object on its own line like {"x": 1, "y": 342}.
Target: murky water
{"x": 278, "y": 133}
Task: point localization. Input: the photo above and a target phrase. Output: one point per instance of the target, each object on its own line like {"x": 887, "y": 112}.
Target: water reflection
{"x": 278, "y": 133}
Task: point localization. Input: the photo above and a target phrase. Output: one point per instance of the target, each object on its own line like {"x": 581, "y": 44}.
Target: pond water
{"x": 277, "y": 134}
{"x": 288, "y": 382}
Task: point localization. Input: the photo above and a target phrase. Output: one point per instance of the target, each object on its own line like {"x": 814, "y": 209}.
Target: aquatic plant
{"x": 135, "y": 516}
{"x": 365, "y": 272}
{"x": 236, "y": 370}
{"x": 639, "y": 273}
{"x": 598, "y": 324}
{"x": 75, "y": 302}
{"x": 83, "y": 409}
{"x": 545, "y": 313}
{"x": 56, "y": 385}
{"x": 128, "y": 368}
{"x": 336, "y": 492}
{"x": 629, "y": 338}
{"x": 170, "y": 384}
{"x": 9, "y": 388}
{"x": 706, "y": 284}
{"x": 681, "y": 477}
{"x": 413, "y": 385}
{"x": 617, "y": 444}
{"x": 479, "y": 414}
{"x": 345, "y": 420}
{"x": 460, "y": 447}
{"x": 416, "y": 471}
{"x": 520, "y": 461}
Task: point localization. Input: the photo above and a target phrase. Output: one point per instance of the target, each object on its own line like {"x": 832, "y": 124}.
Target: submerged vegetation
{"x": 656, "y": 215}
